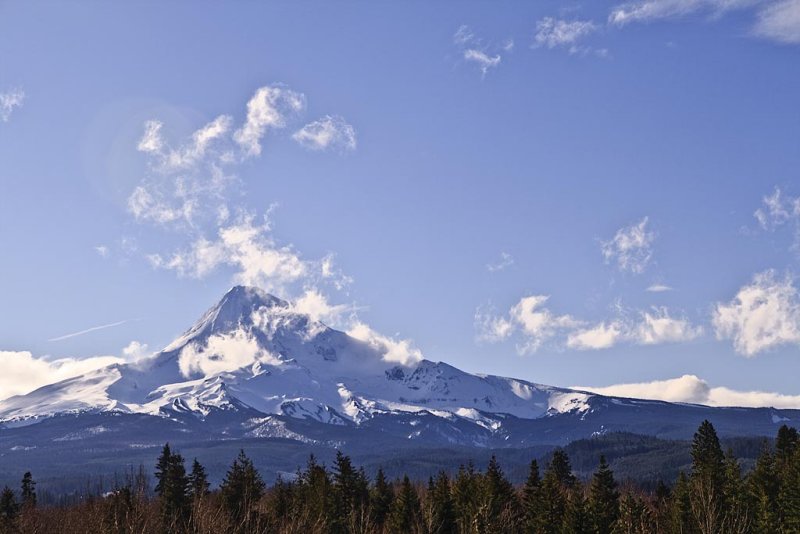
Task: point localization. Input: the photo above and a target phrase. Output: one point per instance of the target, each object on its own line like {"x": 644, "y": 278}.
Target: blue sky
{"x": 496, "y": 185}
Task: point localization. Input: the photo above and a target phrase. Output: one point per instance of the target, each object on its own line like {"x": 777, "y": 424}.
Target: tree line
{"x": 714, "y": 496}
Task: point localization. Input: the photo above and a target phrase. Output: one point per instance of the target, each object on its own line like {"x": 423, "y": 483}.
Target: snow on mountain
{"x": 253, "y": 351}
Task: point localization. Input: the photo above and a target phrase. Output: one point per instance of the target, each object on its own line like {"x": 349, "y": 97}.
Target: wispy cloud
{"x": 779, "y": 21}
{"x": 506, "y": 260}
{"x": 631, "y": 248}
{"x": 9, "y": 101}
{"x": 89, "y": 330}
{"x": 658, "y": 288}
{"x": 779, "y": 210}
{"x": 556, "y": 33}
{"x": 691, "y": 389}
{"x": 474, "y": 50}
{"x": 329, "y": 132}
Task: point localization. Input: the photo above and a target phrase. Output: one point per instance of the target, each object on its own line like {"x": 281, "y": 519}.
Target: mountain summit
{"x": 254, "y": 366}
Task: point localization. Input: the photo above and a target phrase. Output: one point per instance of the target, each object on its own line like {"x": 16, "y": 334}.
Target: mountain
{"x": 254, "y": 369}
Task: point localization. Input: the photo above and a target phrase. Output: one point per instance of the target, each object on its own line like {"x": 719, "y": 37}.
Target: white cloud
{"x": 780, "y": 21}
{"x": 245, "y": 245}
{"x": 135, "y": 351}
{"x": 268, "y": 108}
{"x": 506, "y": 260}
{"x": 23, "y": 372}
{"x": 316, "y": 305}
{"x": 553, "y": 33}
{"x": 631, "y": 248}
{"x": 601, "y": 336}
{"x": 9, "y": 101}
{"x": 779, "y": 210}
{"x": 649, "y": 10}
{"x": 482, "y": 59}
{"x": 222, "y": 353}
{"x": 658, "y": 288}
{"x": 327, "y": 132}
{"x": 691, "y": 389}
{"x": 102, "y": 251}
{"x": 473, "y": 50}
{"x": 401, "y": 351}
{"x": 536, "y": 325}
{"x": 763, "y": 315}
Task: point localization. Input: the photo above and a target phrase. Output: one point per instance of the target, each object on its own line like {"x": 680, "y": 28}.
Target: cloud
{"x": 649, "y": 10}
{"x": 779, "y": 21}
{"x": 553, "y": 33}
{"x": 631, "y": 248}
{"x": 136, "y": 351}
{"x": 658, "y": 288}
{"x": 23, "y": 372}
{"x": 482, "y": 59}
{"x": 9, "y": 101}
{"x": 473, "y": 50}
{"x": 401, "y": 351}
{"x": 327, "y": 132}
{"x": 652, "y": 327}
{"x": 763, "y": 315}
{"x": 222, "y": 353}
{"x": 506, "y": 260}
{"x": 248, "y": 247}
{"x": 691, "y": 389}
{"x": 88, "y": 330}
{"x": 536, "y": 325}
{"x": 102, "y": 251}
{"x": 268, "y": 108}
{"x": 779, "y": 210}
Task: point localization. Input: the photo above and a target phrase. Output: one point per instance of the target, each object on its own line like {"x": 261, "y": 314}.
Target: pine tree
{"x": 443, "y": 517}
{"x": 350, "y": 489}
{"x": 198, "y": 480}
{"x": 172, "y": 489}
{"x": 28, "y": 491}
{"x": 682, "y": 519}
{"x": 405, "y": 514}
{"x": 553, "y": 503}
{"x": 241, "y": 489}
{"x": 764, "y": 489}
{"x": 8, "y": 509}
{"x": 737, "y": 517}
{"x": 561, "y": 468}
{"x": 498, "y": 495}
{"x": 317, "y": 493}
{"x": 789, "y": 494}
{"x": 577, "y": 519}
{"x": 708, "y": 479}
{"x": 531, "y": 498}
{"x": 603, "y": 499}
{"x": 466, "y": 492}
{"x": 785, "y": 445}
{"x": 380, "y": 500}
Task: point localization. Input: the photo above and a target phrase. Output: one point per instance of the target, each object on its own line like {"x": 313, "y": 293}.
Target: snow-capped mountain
{"x": 255, "y": 367}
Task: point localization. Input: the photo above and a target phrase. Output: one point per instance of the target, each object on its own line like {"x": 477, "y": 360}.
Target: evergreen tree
{"x": 241, "y": 489}
{"x": 466, "y": 492}
{"x": 603, "y": 499}
{"x": 708, "y": 478}
{"x": 682, "y": 519}
{"x": 561, "y": 468}
{"x": 405, "y": 513}
{"x": 350, "y": 489}
{"x": 317, "y": 493}
{"x": 380, "y": 500}
{"x": 172, "y": 489}
{"x": 198, "y": 480}
{"x": 785, "y": 445}
{"x": 789, "y": 494}
{"x": 28, "y": 491}
{"x": 443, "y": 517}
{"x": 764, "y": 489}
{"x": 498, "y": 495}
{"x": 553, "y": 504}
{"x": 737, "y": 517}
{"x": 8, "y": 509}
{"x": 576, "y": 516}
{"x": 531, "y": 498}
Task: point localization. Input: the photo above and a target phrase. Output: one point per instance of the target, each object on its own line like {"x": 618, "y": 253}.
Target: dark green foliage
{"x": 789, "y": 493}
{"x": 442, "y": 509}
{"x": 8, "y": 508}
{"x": 405, "y": 515}
{"x": 561, "y": 468}
{"x": 172, "y": 489}
{"x": 577, "y": 517}
{"x": 466, "y": 492}
{"x": 198, "y": 480}
{"x": 764, "y": 487}
{"x": 381, "y": 497}
{"x": 785, "y": 445}
{"x": 498, "y": 506}
{"x": 531, "y": 498}
{"x": 708, "y": 479}
{"x": 603, "y": 499}
{"x": 350, "y": 492}
{"x": 28, "y": 492}
{"x": 241, "y": 490}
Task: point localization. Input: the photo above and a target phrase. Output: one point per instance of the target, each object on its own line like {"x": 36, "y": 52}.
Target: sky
{"x": 594, "y": 194}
